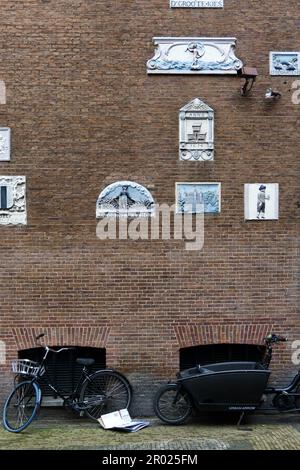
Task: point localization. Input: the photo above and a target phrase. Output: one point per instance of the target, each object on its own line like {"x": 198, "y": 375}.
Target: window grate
{"x": 213, "y": 353}
{"x": 62, "y": 369}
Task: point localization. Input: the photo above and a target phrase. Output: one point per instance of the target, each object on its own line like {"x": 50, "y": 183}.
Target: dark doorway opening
{"x": 211, "y": 353}
{"x": 62, "y": 368}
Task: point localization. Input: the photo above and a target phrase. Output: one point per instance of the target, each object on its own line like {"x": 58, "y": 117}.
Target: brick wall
{"x": 84, "y": 114}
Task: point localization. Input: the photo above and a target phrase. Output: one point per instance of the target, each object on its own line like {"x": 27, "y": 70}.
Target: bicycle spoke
{"x": 106, "y": 392}
{"x": 172, "y": 405}
{"x": 20, "y": 407}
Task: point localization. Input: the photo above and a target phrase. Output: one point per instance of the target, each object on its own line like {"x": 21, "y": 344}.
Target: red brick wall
{"x": 84, "y": 114}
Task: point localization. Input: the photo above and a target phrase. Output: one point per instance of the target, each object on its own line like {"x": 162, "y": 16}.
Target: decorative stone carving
{"x": 285, "y": 63}
{"x": 13, "y": 200}
{"x": 194, "y": 56}
{"x": 4, "y": 144}
{"x": 196, "y": 3}
{"x": 196, "y": 198}
{"x": 196, "y": 131}
{"x": 125, "y": 199}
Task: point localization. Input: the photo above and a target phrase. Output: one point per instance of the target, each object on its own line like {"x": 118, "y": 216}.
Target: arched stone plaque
{"x": 125, "y": 199}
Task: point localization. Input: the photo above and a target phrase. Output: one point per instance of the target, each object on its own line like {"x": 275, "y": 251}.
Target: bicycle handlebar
{"x": 41, "y": 335}
{"x": 58, "y": 351}
{"x": 272, "y": 338}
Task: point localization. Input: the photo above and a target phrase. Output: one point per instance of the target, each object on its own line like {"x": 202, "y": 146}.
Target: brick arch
{"x": 194, "y": 334}
{"x": 91, "y": 336}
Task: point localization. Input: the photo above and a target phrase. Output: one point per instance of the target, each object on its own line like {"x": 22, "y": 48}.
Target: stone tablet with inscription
{"x": 196, "y": 3}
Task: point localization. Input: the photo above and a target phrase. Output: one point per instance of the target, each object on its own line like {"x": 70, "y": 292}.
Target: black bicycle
{"x": 101, "y": 392}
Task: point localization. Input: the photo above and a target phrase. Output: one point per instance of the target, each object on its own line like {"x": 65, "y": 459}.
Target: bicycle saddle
{"x": 85, "y": 361}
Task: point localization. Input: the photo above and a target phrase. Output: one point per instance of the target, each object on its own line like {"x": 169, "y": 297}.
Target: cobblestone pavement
{"x": 60, "y": 429}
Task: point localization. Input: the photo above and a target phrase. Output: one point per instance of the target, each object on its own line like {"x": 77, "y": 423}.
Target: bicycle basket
{"x": 26, "y": 367}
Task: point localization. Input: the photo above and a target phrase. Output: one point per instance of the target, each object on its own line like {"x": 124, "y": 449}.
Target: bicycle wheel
{"x": 104, "y": 392}
{"x": 297, "y": 399}
{"x": 172, "y": 405}
{"x": 21, "y": 406}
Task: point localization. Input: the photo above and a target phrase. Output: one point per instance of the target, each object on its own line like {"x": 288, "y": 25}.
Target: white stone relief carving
{"x": 196, "y": 131}
{"x": 196, "y": 3}
{"x": 5, "y": 144}
{"x": 184, "y": 55}
{"x": 284, "y": 63}
{"x": 125, "y": 199}
{"x": 13, "y": 200}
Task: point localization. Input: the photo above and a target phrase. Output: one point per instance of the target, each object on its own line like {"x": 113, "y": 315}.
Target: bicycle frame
{"x": 91, "y": 394}
{"x": 59, "y": 393}
{"x": 289, "y": 389}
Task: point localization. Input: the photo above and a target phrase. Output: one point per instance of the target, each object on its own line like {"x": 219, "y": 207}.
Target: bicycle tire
{"x": 172, "y": 405}
{"x": 24, "y": 393}
{"x": 109, "y": 386}
{"x": 297, "y": 399}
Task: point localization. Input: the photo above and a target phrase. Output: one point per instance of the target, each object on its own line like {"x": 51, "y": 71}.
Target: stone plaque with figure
{"x": 190, "y": 55}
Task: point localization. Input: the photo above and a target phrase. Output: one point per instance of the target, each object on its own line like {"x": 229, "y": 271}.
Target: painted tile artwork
{"x": 196, "y": 198}
{"x": 285, "y": 63}
{"x": 262, "y": 201}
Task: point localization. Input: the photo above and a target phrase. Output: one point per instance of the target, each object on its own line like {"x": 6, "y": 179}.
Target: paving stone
{"x": 60, "y": 429}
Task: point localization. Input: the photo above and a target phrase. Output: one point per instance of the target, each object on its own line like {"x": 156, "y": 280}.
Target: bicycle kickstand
{"x": 239, "y": 424}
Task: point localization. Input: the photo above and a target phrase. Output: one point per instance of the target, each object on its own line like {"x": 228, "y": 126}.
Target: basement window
{"x": 62, "y": 369}
{"x": 214, "y": 353}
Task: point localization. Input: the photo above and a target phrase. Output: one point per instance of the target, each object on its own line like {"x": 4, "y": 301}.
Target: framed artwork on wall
{"x": 284, "y": 63}
{"x": 262, "y": 201}
{"x": 196, "y": 198}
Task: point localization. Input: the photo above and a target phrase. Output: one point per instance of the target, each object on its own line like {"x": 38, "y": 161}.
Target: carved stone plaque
{"x": 13, "y": 200}
{"x": 196, "y": 132}
{"x": 4, "y": 144}
{"x": 125, "y": 199}
{"x": 196, "y": 3}
{"x": 285, "y": 63}
{"x": 194, "y": 56}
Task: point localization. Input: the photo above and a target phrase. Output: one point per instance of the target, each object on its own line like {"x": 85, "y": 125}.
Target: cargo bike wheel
{"x": 172, "y": 404}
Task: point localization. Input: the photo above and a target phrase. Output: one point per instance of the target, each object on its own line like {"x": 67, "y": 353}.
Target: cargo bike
{"x": 228, "y": 386}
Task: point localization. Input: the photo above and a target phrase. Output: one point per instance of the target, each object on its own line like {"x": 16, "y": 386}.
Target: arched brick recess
{"x": 96, "y": 337}
{"x": 194, "y": 335}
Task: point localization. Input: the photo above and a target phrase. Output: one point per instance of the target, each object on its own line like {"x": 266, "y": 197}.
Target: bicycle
{"x": 227, "y": 386}
{"x": 100, "y": 392}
